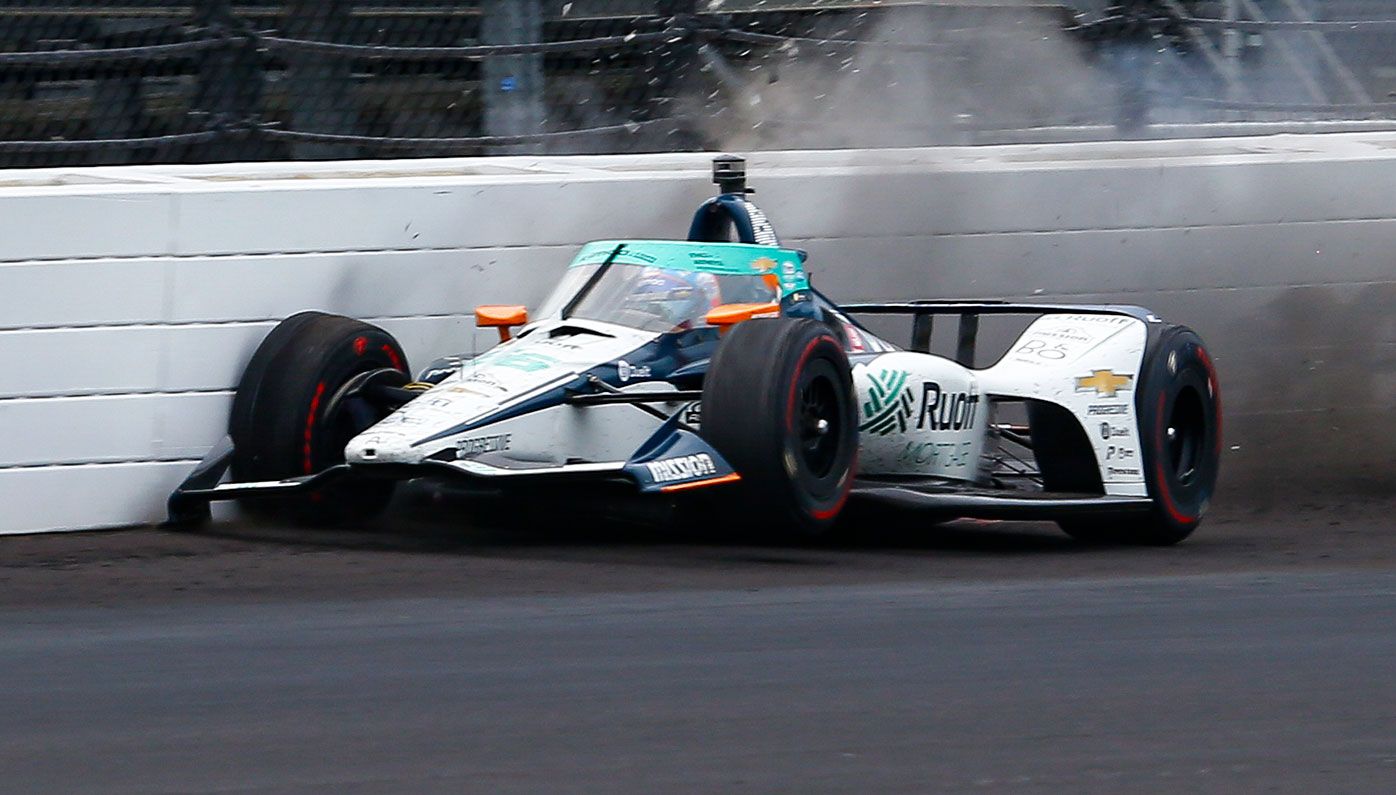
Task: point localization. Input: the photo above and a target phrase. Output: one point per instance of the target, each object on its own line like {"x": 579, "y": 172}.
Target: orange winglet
{"x": 698, "y": 484}
{"x": 731, "y": 314}
{"x": 501, "y": 317}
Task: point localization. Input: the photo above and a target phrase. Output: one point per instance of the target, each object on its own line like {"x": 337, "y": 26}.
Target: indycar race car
{"x": 709, "y": 369}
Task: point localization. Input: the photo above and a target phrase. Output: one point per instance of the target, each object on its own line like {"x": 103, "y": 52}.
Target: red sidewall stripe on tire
{"x": 795, "y": 382}
{"x": 1215, "y": 386}
{"x": 1164, "y": 491}
{"x": 307, "y": 463}
{"x": 394, "y": 358}
{"x": 790, "y": 424}
{"x": 843, "y": 497}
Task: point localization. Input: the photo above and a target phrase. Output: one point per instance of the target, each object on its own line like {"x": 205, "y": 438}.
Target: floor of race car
{"x": 424, "y": 656}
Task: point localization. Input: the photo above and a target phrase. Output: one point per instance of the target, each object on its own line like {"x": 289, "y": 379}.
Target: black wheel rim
{"x": 1184, "y": 435}
{"x": 820, "y": 425}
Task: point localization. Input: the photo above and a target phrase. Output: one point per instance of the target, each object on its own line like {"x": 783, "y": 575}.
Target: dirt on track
{"x": 430, "y": 548}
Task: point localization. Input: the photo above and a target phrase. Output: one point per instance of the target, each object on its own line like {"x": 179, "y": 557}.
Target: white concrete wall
{"x": 131, "y": 298}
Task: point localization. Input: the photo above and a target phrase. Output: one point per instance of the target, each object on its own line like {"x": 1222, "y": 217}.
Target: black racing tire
{"x": 1178, "y": 402}
{"x": 779, "y": 405}
{"x": 285, "y": 422}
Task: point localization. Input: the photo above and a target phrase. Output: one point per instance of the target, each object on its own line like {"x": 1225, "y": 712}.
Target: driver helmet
{"x": 682, "y": 297}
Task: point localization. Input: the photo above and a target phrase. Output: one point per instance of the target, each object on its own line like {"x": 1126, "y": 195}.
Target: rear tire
{"x": 1179, "y": 407}
{"x": 286, "y": 421}
{"x": 778, "y": 404}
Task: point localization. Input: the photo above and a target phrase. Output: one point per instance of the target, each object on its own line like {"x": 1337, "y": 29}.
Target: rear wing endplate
{"x": 923, "y": 313}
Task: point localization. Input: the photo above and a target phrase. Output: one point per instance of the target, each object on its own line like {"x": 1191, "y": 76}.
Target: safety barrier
{"x": 131, "y": 298}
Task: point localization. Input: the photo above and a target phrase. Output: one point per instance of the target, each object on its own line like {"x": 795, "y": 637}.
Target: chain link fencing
{"x": 108, "y": 82}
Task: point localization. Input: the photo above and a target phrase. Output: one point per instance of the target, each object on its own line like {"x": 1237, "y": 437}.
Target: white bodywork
{"x": 919, "y": 415}
{"x": 924, "y": 415}
{"x": 510, "y": 374}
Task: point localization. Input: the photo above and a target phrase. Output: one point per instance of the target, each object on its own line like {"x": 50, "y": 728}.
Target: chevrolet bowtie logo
{"x": 1103, "y": 382}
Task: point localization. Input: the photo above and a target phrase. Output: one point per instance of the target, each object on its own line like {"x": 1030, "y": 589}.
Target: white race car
{"x": 711, "y": 369}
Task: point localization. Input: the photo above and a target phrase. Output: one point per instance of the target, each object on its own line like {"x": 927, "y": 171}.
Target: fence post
{"x": 118, "y": 100}
{"x": 118, "y": 110}
{"x": 512, "y": 85}
{"x": 319, "y": 87}
{"x": 228, "y": 90}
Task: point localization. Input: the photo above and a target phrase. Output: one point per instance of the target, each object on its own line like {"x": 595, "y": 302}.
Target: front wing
{"x": 673, "y": 459}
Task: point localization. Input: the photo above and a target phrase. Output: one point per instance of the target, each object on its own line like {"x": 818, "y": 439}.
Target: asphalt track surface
{"x": 425, "y": 656}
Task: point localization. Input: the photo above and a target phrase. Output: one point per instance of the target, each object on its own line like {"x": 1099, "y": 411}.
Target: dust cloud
{"x": 922, "y": 79}
{"x": 929, "y": 75}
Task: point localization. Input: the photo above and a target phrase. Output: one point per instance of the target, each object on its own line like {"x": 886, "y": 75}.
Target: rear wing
{"x": 923, "y": 314}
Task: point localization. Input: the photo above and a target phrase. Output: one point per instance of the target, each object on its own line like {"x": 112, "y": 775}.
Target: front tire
{"x": 289, "y": 418}
{"x": 1179, "y": 407}
{"x": 778, "y": 404}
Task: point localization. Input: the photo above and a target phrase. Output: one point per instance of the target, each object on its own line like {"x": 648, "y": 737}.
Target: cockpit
{"x": 664, "y": 287}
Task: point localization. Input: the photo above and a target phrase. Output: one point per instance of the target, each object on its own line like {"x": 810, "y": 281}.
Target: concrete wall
{"x": 131, "y": 298}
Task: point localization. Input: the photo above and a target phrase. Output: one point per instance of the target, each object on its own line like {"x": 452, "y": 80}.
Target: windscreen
{"x": 656, "y": 299}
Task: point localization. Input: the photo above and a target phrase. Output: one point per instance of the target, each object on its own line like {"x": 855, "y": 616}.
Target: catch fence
{"x": 138, "y": 81}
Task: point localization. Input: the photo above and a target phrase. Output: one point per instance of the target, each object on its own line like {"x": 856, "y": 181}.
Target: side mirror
{"x": 501, "y": 317}
{"x": 732, "y": 314}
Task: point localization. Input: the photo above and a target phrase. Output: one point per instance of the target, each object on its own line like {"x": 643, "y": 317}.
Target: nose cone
{"x": 381, "y": 447}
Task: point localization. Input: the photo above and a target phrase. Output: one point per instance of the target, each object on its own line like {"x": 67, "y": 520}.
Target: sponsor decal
{"x": 1118, "y": 453}
{"x": 479, "y": 378}
{"x": 1108, "y": 431}
{"x": 761, "y": 229}
{"x": 1122, "y": 472}
{"x": 627, "y": 371}
{"x": 628, "y": 255}
{"x": 1108, "y": 320}
{"x": 693, "y": 414}
{"x": 891, "y": 401}
{"x": 527, "y": 362}
{"x": 946, "y": 411}
{"x": 560, "y": 344}
{"x": 684, "y": 467}
{"x": 1104, "y": 382}
{"x": 764, "y": 264}
{"x": 1066, "y": 333}
{"x": 702, "y": 258}
{"x": 1106, "y": 409}
{"x": 936, "y": 455}
{"x": 889, "y": 404}
{"x": 1060, "y": 337}
{"x": 469, "y": 448}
